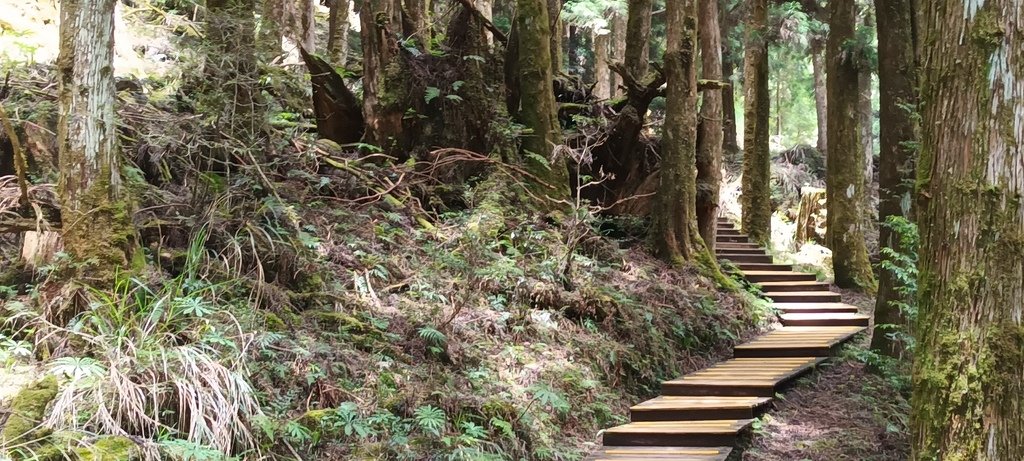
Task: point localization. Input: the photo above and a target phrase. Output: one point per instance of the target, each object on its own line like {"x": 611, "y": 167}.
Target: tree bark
{"x": 730, "y": 143}
{"x": 337, "y": 32}
{"x": 602, "y": 74}
{"x": 674, "y": 226}
{"x": 415, "y": 21}
{"x": 307, "y": 37}
{"x": 897, "y": 78}
{"x": 95, "y": 215}
{"x": 845, "y": 164}
{"x": 486, "y": 8}
{"x": 709, "y": 138}
{"x": 536, "y": 109}
{"x": 378, "y": 21}
{"x": 231, "y": 29}
{"x": 618, "y": 48}
{"x": 756, "y": 185}
{"x": 865, "y": 120}
{"x": 638, "y": 34}
{"x": 555, "y": 27}
{"x": 967, "y": 376}
{"x": 820, "y": 92}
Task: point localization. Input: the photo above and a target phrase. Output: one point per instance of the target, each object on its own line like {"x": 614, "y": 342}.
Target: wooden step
{"x": 728, "y": 231}
{"x": 778, "y": 276}
{"x": 830, "y": 319}
{"x": 661, "y": 454}
{"x": 758, "y": 377}
{"x": 765, "y": 267}
{"x": 689, "y": 408}
{"x": 790, "y": 285}
{"x": 742, "y": 251}
{"x": 810, "y": 308}
{"x": 736, "y": 245}
{"x": 745, "y": 258}
{"x": 803, "y": 296}
{"x": 738, "y": 238}
{"x": 711, "y": 433}
{"x": 797, "y": 342}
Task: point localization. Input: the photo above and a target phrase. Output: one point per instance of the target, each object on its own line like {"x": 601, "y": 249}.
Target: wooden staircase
{"x": 699, "y": 416}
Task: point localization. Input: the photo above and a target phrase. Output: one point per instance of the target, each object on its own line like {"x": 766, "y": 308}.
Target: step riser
{"x": 796, "y": 287}
{"x": 766, "y": 267}
{"x": 747, "y": 258}
{"x": 787, "y": 352}
{"x": 741, "y": 251}
{"x": 826, "y": 323}
{"x": 821, "y": 310}
{"x": 732, "y": 239}
{"x": 669, "y": 440}
{"x": 692, "y": 415}
{"x": 825, "y": 297}
{"x": 708, "y": 390}
{"x": 758, "y": 278}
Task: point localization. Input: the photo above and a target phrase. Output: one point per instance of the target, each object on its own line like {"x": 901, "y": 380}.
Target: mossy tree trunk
{"x": 756, "y": 185}
{"x": 618, "y": 48}
{"x": 730, "y": 143}
{"x": 844, "y": 172}
{"x": 820, "y": 92}
{"x": 97, "y": 226}
{"x": 536, "y": 106}
{"x": 337, "y": 32}
{"x": 709, "y": 139}
{"x": 555, "y": 26}
{"x": 897, "y": 78}
{"x": 674, "y": 228}
{"x": 967, "y": 376}
{"x": 866, "y": 118}
{"x": 380, "y": 25}
{"x": 415, "y": 21}
{"x": 602, "y": 74}
{"x": 638, "y": 34}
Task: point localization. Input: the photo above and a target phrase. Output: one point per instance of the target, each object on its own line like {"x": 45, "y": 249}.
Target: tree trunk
{"x": 638, "y": 34}
{"x": 756, "y": 188}
{"x": 845, "y": 163}
{"x": 709, "y": 139}
{"x": 415, "y": 21}
{"x": 865, "y": 120}
{"x": 307, "y": 37}
{"x": 555, "y": 27}
{"x": 618, "y": 47}
{"x": 337, "y": 33}
{"x": 674, "y": 226}
{"x": 967, "y": 371}
{"x": 378, "y": 21}
{"x": 486, "y": 8}
{"x": 820, "y": 93}
{"x": 602, "y": 74}
{"x": 97, "y": 226}
{"x": 730, "y": 143}
{"x": 536, "y": 109}
{"x": 809, "y": 216}
{"x": 897, "y": 64}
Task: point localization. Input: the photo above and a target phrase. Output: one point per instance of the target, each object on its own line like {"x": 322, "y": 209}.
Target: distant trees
{"x": 967, "y": 377}
{"x": 845, "y": 163}
{"x": 96, "y": 218}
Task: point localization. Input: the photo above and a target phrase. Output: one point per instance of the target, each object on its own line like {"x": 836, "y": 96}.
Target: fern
{"x": 430, "y": 419}
{"x": 550, "y": 397}
{"x": 432, "y": 336}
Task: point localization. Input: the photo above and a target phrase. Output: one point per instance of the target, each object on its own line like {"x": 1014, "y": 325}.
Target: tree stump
{"x": 810, "y": 220}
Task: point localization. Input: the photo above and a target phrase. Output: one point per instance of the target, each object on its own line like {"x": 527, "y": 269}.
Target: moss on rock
{"x": 27, "y": 411}
{"x": 109, "y": 448}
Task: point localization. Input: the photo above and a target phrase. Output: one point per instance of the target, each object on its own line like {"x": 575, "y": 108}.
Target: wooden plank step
{"x": 810, "y": 308}
{"x": 661, "y": 454}
{"x": 778, "y": 276}
{"x": 790, "y": 285}
{"x": 757, "y": 377}
{"x": 765, "y": 267}
{"x": 744, "y": 258}
{"x": 709, "y": 433}
{"x": 743, "y": 251}
{"x": 797, "y": 342}
{"x": 691, "y": 407}
{"x": 803, "y": 296}
{"x": 736, "y": 245}
{"x": 830, "y": 319}
{"x": 728, "y": 231}
{"x": 738, "y": 238}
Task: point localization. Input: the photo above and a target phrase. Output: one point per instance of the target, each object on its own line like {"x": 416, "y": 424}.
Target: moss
{"x": 109, "y": 448}
{"x": 330, "y": 320}
{"x": 314, "y": 419}
{"x": 27, "y": 411}
{"x": 273, "y": 323}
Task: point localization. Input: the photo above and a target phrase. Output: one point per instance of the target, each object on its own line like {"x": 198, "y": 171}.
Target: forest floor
{"x": 845, "y": 411}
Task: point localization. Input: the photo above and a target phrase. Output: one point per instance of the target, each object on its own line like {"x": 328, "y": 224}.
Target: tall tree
{"x": 756, "y": 186}
{"x": 897, "y": 65}
{"x": 866, "y": 116}
{"x": 618, "y": 46}
{"x": 967, "y": 376}
{"x": 96, "y": 220}
{"x": 727, "y": 20}
{"x": 638, "y": 34}
{"x": 380, "y": 21}
{"x": 602, "y": 74}
{"x": 817, "y": 49}
{"x": 555, "y": 26}
{"x": 675, "y": 233}
{"x": 709, "y": 138}
{"x": 536, "y": 106}
{"x": 231, "y": 30}
{"x": 845, "y": 163}
{"x": 337, "y": 31}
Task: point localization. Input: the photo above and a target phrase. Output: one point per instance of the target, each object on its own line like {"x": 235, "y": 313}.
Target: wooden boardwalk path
{"x": 699, "y": 416}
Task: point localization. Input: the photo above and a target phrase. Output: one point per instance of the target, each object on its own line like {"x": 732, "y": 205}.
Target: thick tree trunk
{"x": 97, "y": 226}
{"x": 618, "y": 48}
{"x": 845, "y": 163}
{"x": 865, "y": 116}
{"x": 809, "y": 215}
{"x": 674, "y": 227}
{"x": 709, "y": 146}
{"x": 486, "y": 8}
{"x": 536, "y": 109}
{"x": 897, "y": 64}
{"x": 730, "y": 143}
{"x": 820, "y": 93}
{"x": 415, "y": 21}
{"x": 602, "y": 74}
{"x": 756, "y": 199}
{"x": 337, "y": 32}
{"x": 378, "y": 21}
{"x": 555, "y": 27}
{"x": 638, "y": 34}
{"x": 307, "y": 37}
{"x": 968, "y": 378}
